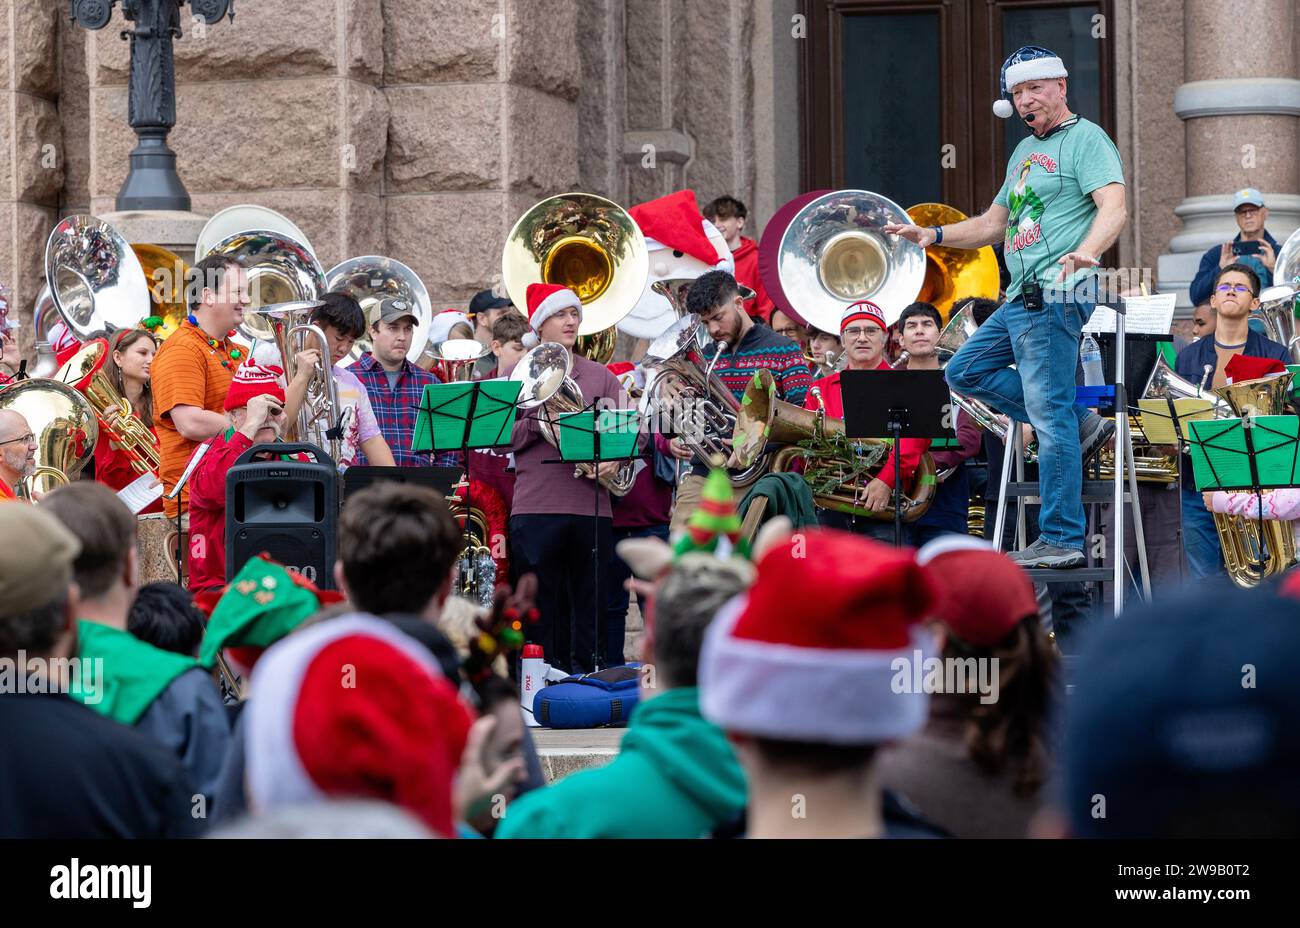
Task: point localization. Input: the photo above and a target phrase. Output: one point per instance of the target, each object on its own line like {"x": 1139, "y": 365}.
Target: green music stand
{"x": 594, "y": 437}
{"x": 463, "y": 416}
{"x": 1246, "y": 454}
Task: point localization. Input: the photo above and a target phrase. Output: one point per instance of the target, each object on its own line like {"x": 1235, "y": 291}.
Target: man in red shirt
{"x": 255, "y": 410}
{"x": 729, "y": 215}
{"x": 862, "y": 333}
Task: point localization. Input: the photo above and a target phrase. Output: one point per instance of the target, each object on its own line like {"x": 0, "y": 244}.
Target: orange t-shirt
{"x": 187, "y": 371}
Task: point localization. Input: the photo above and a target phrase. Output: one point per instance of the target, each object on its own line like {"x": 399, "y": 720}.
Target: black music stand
{"x": 897, "y": 404}
{"x": 465, "y": 415}
{"x": 580, "y": 437}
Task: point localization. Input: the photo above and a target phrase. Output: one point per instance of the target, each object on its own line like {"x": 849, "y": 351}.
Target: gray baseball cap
{"x": 394, "y": 308}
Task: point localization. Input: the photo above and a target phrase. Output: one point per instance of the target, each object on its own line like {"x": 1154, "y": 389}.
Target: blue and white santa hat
{"x": 1028, "y": 63}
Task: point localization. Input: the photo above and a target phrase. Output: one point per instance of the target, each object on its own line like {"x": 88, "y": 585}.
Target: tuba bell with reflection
{"x": 836, "y": 468}
{"x": 834, "y": 252}
{"x": 166, "y": 274}
{"x": 65, "y": 427}
{"x": 454, "y": 359}
{"x": 1277, "y": 307}
{"x": 544, "y": 372}
{"x": 95, "y": 279}
{"x": 370, "y": 279}
{"x": 1254, "y": 549}
{"x": 590, "y": 245}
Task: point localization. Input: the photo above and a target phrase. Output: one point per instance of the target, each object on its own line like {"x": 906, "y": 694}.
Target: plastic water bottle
{"x": 532, "y": 677}
{"x": 1090, "y": 355}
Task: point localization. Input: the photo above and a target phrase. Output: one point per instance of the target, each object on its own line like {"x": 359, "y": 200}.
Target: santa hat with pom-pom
{"x": 772, "y": 668}
{"x": 352, "y": 708}
{"x": 1027, "y": 63}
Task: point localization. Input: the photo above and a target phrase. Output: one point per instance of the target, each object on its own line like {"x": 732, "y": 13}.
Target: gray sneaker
{"x": 1043, "y": 554}
{"x": 1094, "y": 432}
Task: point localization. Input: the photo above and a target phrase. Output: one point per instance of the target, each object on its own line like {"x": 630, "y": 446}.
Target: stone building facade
{"x": 422, "y": 129}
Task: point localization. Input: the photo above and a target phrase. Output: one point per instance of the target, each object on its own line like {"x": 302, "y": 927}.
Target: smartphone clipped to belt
{"x": 1032, "y": 296}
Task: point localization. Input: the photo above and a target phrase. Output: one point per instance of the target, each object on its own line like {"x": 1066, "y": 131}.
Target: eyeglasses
{"x": 1247, "y": 210}
{"x": 1232, "y": 288}
{"x": 28, "y": 439}
{"x": 856, "y": 332}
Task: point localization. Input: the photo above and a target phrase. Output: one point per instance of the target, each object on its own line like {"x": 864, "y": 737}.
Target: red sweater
{"x": 113, "y": 467}
{"x": 746, "y": 259}
{"x": 207, "y": 498}
{"x": 912, "y": 448}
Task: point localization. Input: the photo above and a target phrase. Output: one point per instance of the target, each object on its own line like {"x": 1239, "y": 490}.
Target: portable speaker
{"x": 285, "y": 509}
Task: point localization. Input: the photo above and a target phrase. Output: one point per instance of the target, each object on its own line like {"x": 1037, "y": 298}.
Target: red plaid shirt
{"x": 397, "y": 409}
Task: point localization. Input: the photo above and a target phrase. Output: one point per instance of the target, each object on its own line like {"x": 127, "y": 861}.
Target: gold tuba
{"x": 1256, "y": 548}
{"x": 590, "y": 245}
{"x": 166, "y": 274}
{"x": 84, "y": 372}
{"x": 952, "y": 274}
{"x": 835, "y": 467}
{"x": 65, "y": 427}
{"x": 544, "y": 372}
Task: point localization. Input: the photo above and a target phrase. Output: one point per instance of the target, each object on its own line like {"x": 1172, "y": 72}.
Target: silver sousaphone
{"x": 96, "y": 281}
{"x": 372, "y": 278}
{"x": 834, "y": 253}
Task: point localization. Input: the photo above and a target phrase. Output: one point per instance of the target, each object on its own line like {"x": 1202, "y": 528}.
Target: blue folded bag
{"x": 591, "y": 700}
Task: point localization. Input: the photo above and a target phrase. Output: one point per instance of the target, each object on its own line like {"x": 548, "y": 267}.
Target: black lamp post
{"x": 152, "y": 181}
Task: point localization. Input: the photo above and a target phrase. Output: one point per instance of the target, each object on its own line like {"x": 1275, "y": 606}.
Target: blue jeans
{"x": 1044, "y": 346}
{"x": 1201, "y": 539}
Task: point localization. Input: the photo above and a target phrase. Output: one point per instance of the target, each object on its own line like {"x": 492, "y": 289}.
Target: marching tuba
{"x": 84, "y": 372}
{"x": 835, "y": 467}
{"x": 370, "y": 279}
{"x": 65, "y": 427}
{"x": 544, "y": 373}
{"x": 952, "y": 274}
{"x": 590, "y": 245}
{"x": 1256, "y": 548}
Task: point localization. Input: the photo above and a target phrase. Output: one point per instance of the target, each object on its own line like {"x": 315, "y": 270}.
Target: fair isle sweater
{"x": 760, "y": 348}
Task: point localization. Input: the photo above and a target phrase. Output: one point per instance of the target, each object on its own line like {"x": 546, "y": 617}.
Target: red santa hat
{"x": 442, "y": 324}
{"x": 675, "y": 222}
{"x": 1243, "y": 367}
{"x": 252, "y": 379}
{"x": 354, "y": 708}
{"x": 862, "y": 311}
{"x": 545, "y": 300}
{"x": 983, "y": 595}
{"x": 771, "y": 667}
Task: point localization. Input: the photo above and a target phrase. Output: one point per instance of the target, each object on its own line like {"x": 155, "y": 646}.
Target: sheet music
{"x": 140, "y": 493}
{"x": 1144, "y": 315}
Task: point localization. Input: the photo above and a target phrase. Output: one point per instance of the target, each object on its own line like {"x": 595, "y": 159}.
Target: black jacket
{"x": 68, "y": 772}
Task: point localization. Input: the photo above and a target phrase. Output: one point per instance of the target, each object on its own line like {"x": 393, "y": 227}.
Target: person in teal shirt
{"x": 1061, "y": 205}
{"x": 675, "y": 775}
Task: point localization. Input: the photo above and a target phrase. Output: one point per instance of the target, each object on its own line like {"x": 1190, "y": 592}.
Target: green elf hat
{"x": 714, "y": 528}
{"x": 261, "y": 605}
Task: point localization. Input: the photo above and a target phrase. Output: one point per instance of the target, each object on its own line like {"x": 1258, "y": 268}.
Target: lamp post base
{"x": 152, "y": 182}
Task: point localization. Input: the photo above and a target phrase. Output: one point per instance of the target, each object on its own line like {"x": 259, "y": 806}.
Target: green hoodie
{"x": 675, "y": 776}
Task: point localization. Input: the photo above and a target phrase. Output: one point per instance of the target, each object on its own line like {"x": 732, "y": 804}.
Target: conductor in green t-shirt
{"x": 1060, "y": 207}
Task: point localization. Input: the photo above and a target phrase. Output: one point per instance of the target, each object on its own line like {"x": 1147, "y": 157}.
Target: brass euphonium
{"x": 454, "y": 359}
{"x": 835, "y": 467}
{"x": 84, "y": 372}
{"x": 65, "y": 427}
{"x": 1256, "y": 548}
{"x": 544, "y": 372}
{"x": 702, "y": 410}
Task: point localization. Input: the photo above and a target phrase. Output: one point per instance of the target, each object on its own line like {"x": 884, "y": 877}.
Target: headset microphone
{"x": 1029, "y": 118}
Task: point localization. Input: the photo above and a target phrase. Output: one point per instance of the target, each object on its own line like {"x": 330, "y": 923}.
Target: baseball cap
{"x": 1249, "y": 195}
{"x": 34, "y": 572}
{"x": 485, "y": 300}
{"x": 395, "y": 307}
